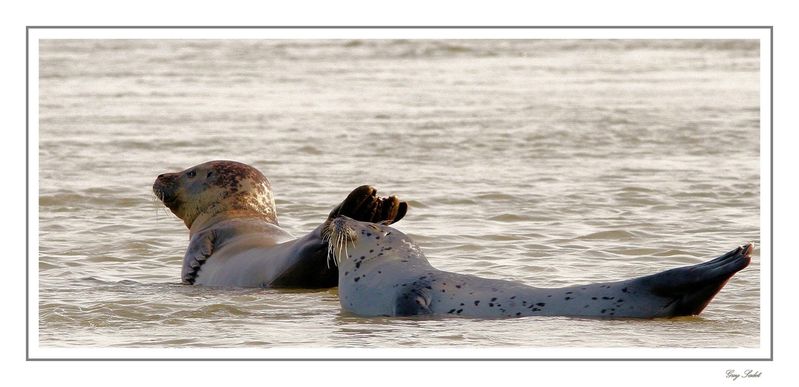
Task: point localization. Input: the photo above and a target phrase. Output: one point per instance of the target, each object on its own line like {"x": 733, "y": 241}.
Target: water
{"x": 547, "y": 162}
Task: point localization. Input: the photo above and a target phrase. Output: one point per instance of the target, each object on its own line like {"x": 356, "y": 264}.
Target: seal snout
{"x": 164, "y": 189}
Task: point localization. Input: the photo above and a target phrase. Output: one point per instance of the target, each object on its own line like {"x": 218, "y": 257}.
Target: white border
{"x": 764, "y": 352}
{"x": 398, "y": 33}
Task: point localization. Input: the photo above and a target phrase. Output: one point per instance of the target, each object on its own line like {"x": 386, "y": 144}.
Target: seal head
{"x": 217, "y": 186}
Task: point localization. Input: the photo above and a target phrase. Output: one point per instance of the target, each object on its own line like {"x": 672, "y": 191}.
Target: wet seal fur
{"x": 234, "y": 235}
{"x": 382, "y": 272}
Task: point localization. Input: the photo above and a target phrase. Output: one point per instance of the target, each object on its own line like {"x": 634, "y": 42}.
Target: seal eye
{"x": 209, "y": 174}
{"x": 191, "y": 173}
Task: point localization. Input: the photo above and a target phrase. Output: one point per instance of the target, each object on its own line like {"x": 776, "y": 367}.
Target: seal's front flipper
{"x": 689, "y": 289}
{"x": 200, "y": 248}
{"x": 364, "y": 205}
{"x": 413, "y": 302}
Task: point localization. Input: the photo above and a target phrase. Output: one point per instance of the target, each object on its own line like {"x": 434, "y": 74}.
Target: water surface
{"x": 550, "y": 162}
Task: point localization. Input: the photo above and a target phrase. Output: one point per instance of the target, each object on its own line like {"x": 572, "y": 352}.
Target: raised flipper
{"x": 689, "y": 289}
{"x": 364, "y": 205}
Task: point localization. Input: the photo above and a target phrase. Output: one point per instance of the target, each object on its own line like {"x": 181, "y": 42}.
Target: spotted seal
{"x": 234, "y": 235}
{"x": 382, "y": 272}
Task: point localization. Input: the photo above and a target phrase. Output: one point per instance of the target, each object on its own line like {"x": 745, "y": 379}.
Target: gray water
{"x": 550, "y": 162}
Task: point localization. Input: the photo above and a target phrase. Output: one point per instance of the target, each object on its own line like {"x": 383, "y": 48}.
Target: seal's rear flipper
{"x": 689, "y": 289}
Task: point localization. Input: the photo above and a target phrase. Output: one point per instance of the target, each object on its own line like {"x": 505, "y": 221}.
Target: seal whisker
{"x": 344, "y": 245}
{"x": 156, "y": 200}
{"x": 327, "y": 236}
{"x": 341, "y": 246}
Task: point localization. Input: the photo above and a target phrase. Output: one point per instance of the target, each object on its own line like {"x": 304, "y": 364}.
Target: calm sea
{"x": 550, "y": 162}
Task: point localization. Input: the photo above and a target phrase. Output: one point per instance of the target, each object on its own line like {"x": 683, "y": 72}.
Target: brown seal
{"x": 235, "y": 238}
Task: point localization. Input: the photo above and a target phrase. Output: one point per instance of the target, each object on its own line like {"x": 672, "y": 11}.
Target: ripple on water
{"x": 611, "y": 235}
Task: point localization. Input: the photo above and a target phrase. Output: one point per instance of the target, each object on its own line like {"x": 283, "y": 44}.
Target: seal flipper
{"x": 689, "y": 289}
{"x": 412, "y": 302}
{"x": 364, "y": 205}
{"x": 200, "y": 248}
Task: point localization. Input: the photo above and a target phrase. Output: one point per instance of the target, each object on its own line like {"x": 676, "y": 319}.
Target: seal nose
{"x": 160, "y": 176}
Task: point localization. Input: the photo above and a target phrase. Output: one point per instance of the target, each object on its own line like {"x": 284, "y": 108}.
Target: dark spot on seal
{"x": 459, "y": 311}
{"x": 429, "y": 287}
{"x": 540, "y": 304}
{"x": 379, "y": 272}
{"x": 568, "y": 298}
{"x": 451, "y": 311}
{"x": 512, "y": 297}
{"x": 493, "y": 299}
{"x": 358, "y": 265}
{"x": 368, "y": 234}
{"x": 461, "y": 304}
{"x": 518, "y": 313}
{"x": 569, "y": 292}
{"x": 491, "y": 304}
{"x": 443, "y": 290}
{"x": 476, "y": 302}
{"x": 358, "y": 279}
{"x": 620, "y": 300}
{"x": 458, "y": 286}
{"x": 345, "y": 273}
{"x": 388, "y": 248}
{"x": 593, "y": 298}
{"x": 603, "y": 311}
{"x": 585, "y": 306}
{"x": 624, "y": 289}
{"x": 608, "y": 298}
{"x": 371, "y": 251}
{"x": 549, "y": 295}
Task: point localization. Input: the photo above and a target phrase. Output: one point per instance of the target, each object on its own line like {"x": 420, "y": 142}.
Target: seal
{"x": 234, "y": 236}
{"x": 382, "y": 272}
